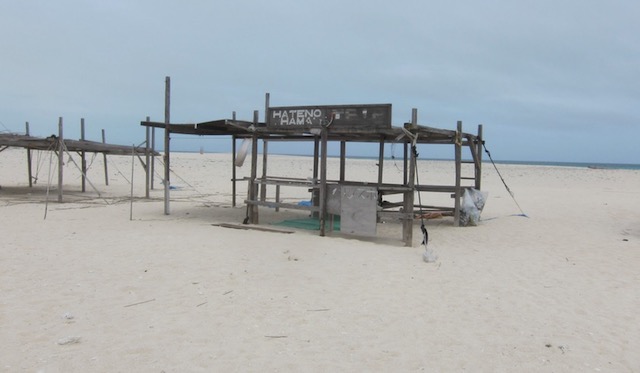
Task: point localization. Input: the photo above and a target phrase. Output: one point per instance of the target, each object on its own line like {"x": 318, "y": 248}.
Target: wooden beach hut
{"x": 344, "y": 124}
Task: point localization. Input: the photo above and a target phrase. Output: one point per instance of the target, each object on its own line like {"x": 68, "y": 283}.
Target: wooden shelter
{"x": 344, "y": 124}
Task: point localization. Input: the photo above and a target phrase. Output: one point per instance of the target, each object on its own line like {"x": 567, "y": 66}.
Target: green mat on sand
{"x": 309, "y": 223}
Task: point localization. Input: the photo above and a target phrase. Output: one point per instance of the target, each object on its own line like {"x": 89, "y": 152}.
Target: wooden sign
{"x": 343, "y": 116}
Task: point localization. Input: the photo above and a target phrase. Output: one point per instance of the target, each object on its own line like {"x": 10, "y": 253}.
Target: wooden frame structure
{"x": 321, "y": 133}
{"x": 60, "y": 145}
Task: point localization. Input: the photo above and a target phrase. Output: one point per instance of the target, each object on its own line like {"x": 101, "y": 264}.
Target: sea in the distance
{"x": 593, "y": 165}
{"x": 609, "y": 166}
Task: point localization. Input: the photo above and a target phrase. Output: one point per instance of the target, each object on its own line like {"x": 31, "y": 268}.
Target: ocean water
{"x": 609, "y": 166}
{"x": 485, "y": 160}
{"x": 223, "y": 145}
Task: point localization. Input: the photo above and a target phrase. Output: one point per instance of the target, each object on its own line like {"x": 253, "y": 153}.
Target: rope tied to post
{"x": 428, "y": 256}
{"x": 504, "y": 182}
{"x": 423, "y": 228}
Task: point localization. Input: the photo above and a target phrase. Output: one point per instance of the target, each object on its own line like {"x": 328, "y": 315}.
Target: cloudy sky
{"x": 550, "y": 80}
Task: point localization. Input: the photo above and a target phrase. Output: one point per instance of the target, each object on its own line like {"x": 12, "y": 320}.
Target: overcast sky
{"x": 550, "y": 80}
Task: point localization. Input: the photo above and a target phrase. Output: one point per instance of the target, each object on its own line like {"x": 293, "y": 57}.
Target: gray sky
{"x": 550, "y": 80}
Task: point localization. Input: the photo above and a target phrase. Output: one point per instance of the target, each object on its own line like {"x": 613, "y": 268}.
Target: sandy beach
{"x": 88, "y": 289}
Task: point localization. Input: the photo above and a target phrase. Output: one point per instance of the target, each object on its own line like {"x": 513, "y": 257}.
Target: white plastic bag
{"x": 242, "y": 153}
{"x": 473, "y": 202}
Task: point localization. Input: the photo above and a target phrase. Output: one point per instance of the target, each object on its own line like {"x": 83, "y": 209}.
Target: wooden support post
{"x": 234, "y": 176}
{"x": 233, "y": 166}
{"x": 458, "y": 189}
{"x": 133, "y": 162}
{"x": 323, "y": 181}
{"x": 478, "y": 169}
{"x": 167, "y": 140}
{"x": 152, "y": 170}
{"x": 263, "y": 186}
{"x": 407, "y": 223}
{"x": 343, "y": 156}
{"x": 408, "y": 148}
{"x": 414, "y": 117}
{"x": 380, "y": 169}
{"x": 316, "y": 157}
{"x": 267, "y": 98}
{"x": 253, "y": 186}
{"x": 233, "y": 170}
{"x": 29, "y": 171}
{"x": 83, "y": 159}
{"x": 277, "y": 197}
{"x": 147, "y": 158}
{"x": 381, "y": 161}
{"x": 405, "y": 162}
{"x": 104, "y": 157}
{"x": 60, "y": 158}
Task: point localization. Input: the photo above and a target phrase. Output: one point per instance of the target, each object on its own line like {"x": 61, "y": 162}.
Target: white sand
{"x": 87, "y": 289}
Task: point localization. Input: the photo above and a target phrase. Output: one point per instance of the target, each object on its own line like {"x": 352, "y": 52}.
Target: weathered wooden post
{"x": 405, "y": 163}
{"x": 380, "y": 161}
{"x": 316, "y": 158}
{"x": 253, "y": 186}
{"x": 60, "y": 158}
{"x": 104, "y": 157}
{"x": 133, "y": 162}
{"x": 147, "y": 158}
{"x": 343, "y": 156}
{"x": 233, "y": 165}
{"x": 458, "y": 160}
{"x": 407, "y": 224}
{"x": 167, "y": 170}
{"x": 478, "y": 169}
{"x": 29, "y": 158}
{"x": 323, "y": 180}
{"x": 153, "y": 158}
{"x": 263, "y": 186}
{"x": 233, "y": 170}
{"x": 83, "y": 160}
